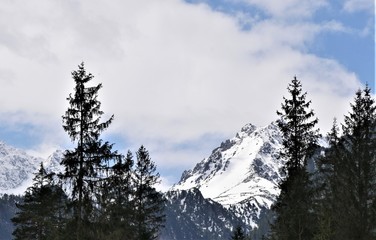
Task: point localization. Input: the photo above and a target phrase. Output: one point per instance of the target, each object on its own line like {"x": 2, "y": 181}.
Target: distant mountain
{"x": 235, "y": 185}
{"x": 241, "y": 174}
{"x": 16, "y": 174}
{"x": 18, "y": 168}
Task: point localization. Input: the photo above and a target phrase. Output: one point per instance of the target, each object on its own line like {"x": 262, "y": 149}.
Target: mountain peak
{"x": 18, "y": 168}
{"x": 242, "y": 171}
{"x": 246, "y": 130}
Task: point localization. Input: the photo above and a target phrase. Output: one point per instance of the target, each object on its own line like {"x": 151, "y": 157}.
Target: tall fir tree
{"x": 41, "y": 214}
{"x": 293, "y": 207}
{"x": 148, "y": 202}
{"x": 85, "y": 166}
{"x": 360, "y": 141}
{"x": 353, "y": 178}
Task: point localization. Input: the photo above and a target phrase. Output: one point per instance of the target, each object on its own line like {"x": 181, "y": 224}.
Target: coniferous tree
{"x": 294, "y": 204}
{"x": 86, "y": 165}
{"x": 119, "y": 200}
{"x": 328, "y": 178}
{"x": 350, "y": 164}
{"x": 148, "y": 202}
{"x": 41, "y": 214}
{"x": 359, "y": 176}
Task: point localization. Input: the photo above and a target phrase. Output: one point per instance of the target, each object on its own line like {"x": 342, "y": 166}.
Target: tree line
{"x": 101, "y": 194}
{"x": 338, "y": 199}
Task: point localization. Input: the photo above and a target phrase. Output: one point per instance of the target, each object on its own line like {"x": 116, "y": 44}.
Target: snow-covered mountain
{"x": 242, "y": 174}
{"x": 52, "y": 163}
{"x": 18, "y": 168}
{"x": 235, "y": 185}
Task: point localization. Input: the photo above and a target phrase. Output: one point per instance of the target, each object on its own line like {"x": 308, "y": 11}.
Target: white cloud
{"x": 289, "y": 9}
{"x": 172, "y": 72}
{"x": 44, "y": 150}
{"x": 359, "y": 5}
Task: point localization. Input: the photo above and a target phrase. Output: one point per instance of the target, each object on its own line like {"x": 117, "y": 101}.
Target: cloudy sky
{"x": 180, "y": 76}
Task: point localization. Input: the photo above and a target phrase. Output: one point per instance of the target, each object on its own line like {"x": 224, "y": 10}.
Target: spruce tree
{"x": 41, "y": 214}
{"x": 148, "y": 202}
{"x": 293, "y": 207}
{"x": 118, "y": 215}
{"x": 355, "y": 175}
{"x": 360, "y": 137}
{"x": 86, "y": 165}
{"x": 348, "y": 170}
{"x": 327, "y": 179}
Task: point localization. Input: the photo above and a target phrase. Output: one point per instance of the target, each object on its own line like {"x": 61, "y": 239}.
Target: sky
{"x": 179, "y": 76}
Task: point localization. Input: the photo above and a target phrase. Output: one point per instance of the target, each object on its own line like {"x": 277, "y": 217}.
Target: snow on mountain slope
{"x": 18, "y": 168}
{"x": 52, "y": 163}
{"x": 242, "y": 174}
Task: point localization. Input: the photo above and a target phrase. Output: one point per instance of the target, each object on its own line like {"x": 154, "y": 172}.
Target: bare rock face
{"x": 242, "y": 174}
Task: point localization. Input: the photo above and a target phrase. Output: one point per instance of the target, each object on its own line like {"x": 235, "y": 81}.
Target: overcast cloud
{"x": 179, "y": 77}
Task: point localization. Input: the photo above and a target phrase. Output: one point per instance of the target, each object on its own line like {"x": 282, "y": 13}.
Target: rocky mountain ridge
{"x": 235, "y": 185}
{"x": 242, "y": 174}
{"x": 18, "y": 168}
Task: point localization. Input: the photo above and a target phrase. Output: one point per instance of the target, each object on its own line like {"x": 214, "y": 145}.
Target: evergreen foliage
{"x": 86, "y": 165}
{"x": 328, "y": 194}
{"x": 349, "y": 172}
{"x": 149, "y": 203}
{"x": 297, "y": 124}
{"x": 40, "y": 216}
{"x": 106, "y": 197}
{"x": 294, "y": 204}
{"x": 109, "y": 196}
{"x": 118, "y": 199}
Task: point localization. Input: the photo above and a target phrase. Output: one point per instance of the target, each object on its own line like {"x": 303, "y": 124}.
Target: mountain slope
{"x": 235, "y": 185}
{"x": 18, "y": 168}
{"x": 190, "y": 216}
{"x": 242, "y": 174}
{"x": 7, "y": 211}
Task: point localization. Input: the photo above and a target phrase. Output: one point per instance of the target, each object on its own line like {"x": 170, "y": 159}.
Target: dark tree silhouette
{"x": 349, "y": 171}
{"x": 149, "y": 203}
{"x": 86, "y": 165}
{"x": 294, "y": 204}
{"x": 41, "y": 214}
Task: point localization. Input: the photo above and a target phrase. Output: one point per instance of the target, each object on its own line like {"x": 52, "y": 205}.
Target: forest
{"x": 103, "y": 194}
{"x": 338, "y": 201}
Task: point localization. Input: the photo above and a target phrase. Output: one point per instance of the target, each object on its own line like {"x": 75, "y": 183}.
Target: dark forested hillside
{"x": 7, "y": 210}
{"x": 190, "y": 216}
